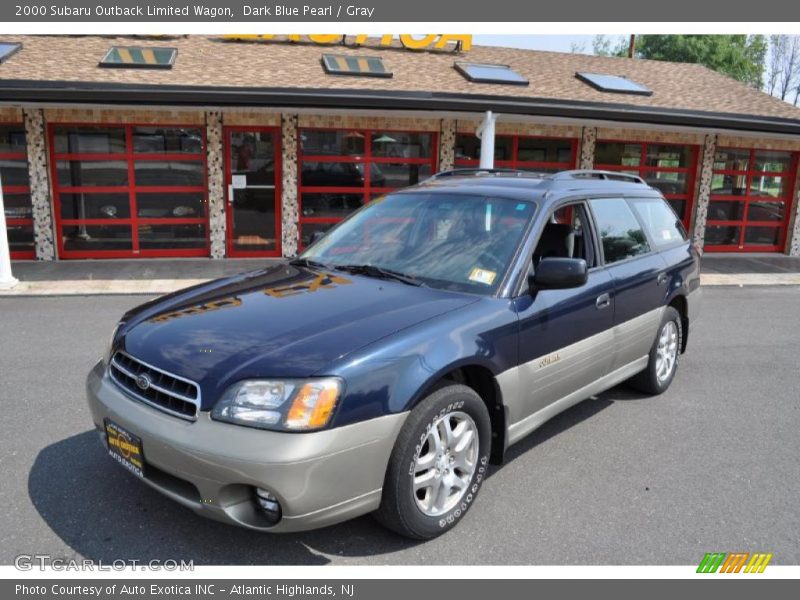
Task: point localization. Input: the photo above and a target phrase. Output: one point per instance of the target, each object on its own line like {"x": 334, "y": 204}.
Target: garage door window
{"x": 670, "y": 168}
{"x": 342, "y": 169}
{"x": 527, "y": 153}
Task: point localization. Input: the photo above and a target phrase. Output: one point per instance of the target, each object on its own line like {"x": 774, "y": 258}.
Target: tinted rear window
{"x": 660, "y": 220}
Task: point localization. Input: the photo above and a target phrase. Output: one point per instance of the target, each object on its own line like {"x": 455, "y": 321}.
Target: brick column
{"x": 700, "y": 210}
{"x": 289, "y": 204}
{"x": 792, "y": 247}
{"x": 35, "y": 136}
{"x": 588, "y": 141}
{"x": 447, "y": 145}
{"x": 217, "y": 223}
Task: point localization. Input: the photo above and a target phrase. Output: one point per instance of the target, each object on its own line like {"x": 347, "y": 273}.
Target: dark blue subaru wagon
{"x": 401, "y": 353}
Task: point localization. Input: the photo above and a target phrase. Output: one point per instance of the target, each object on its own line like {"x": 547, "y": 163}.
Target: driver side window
{"x": 567, "y": 235}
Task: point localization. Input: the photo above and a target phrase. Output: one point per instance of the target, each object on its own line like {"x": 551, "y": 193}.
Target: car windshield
{"x": 448, "y": 241}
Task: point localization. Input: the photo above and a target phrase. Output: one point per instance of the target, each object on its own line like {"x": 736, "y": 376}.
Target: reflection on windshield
{"x": 460, "y": 242}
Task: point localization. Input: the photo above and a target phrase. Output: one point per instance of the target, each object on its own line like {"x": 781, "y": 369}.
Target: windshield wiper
{"x": 380, "y": 273}
{"x": 307, "y": 262}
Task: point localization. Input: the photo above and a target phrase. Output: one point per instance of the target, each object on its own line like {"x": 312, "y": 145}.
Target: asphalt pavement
{"x": 712, "y": 465}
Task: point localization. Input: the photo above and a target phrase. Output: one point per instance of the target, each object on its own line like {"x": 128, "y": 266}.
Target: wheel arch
{"x": 481, "y": 379}
{"x": 679, "y": 303}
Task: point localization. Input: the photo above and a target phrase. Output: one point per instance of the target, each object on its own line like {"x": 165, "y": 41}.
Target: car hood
{"x": 283, "y": 321}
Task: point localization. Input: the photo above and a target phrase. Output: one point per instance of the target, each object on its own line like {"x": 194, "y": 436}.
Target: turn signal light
{"x": 313, "y": 405}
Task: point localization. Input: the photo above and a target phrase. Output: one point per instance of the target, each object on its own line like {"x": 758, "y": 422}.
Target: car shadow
{"x": 582, "y": 411}
{"x": 103, "y": 513}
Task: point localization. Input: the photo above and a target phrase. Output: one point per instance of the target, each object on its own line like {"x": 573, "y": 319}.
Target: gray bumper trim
{"x": 319, "y": 478}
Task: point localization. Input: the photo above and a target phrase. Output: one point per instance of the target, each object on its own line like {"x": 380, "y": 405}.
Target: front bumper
{"x": 319, "y": 478}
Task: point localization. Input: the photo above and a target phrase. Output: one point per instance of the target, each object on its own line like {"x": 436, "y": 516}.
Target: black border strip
{"x": 66, "y": 92}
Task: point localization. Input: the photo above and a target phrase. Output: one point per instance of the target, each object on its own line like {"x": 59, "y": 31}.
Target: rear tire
{"x": 664, "y": 356}
{"x": 438, "y": 464}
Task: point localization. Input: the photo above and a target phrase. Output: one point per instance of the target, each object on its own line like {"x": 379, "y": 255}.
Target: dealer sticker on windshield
{"x": 483, "y": 276}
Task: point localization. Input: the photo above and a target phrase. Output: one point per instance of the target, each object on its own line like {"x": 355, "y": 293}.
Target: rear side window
{"x": 620, "y": 232}
{"x": 660, "y": 221}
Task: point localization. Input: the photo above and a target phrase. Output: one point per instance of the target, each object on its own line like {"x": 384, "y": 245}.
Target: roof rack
{"x": 478, "y": 171}
{"x": 597, "y": 174}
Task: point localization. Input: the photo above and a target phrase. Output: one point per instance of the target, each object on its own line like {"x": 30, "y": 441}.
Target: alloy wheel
{"x": 666, "y": 351}
{"x": 445, "y": 463}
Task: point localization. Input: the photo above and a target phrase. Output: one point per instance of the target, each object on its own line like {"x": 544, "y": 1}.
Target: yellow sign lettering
{"x": 438, "y": 41}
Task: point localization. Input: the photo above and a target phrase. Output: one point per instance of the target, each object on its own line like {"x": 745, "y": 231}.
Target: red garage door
{"x": 16, "y": 190}
{"x": 751, "y": 197}
{"x": 124, "y": 191}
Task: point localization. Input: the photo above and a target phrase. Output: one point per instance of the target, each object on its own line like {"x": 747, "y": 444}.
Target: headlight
{"x": 283, "y": 405}
{"x": 110, "y": 347}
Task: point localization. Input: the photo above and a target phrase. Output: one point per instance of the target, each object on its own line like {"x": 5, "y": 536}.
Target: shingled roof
{"x": 68, "y": 62}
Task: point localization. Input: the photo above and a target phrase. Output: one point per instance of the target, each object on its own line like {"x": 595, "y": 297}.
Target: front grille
{"x": 162, "y": 390}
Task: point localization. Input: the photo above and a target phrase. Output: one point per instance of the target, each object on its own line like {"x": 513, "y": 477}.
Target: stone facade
{"x": 217, "y": 222}
{"x": 43, "y": 230}
{"x": 124, "y": 116}
{"x": 588, "y": 142}
{"x": 446, "y": 130}
{"x": 522, "y": 128}
{"x": 289, "y": 200}
{"x": 368, "y": 122}
{"x": 703, "y": 192}
{"x": 447, "y": 145}
{"x": 9, "y": 114}
{"x": 760, "y": 142}
{"x": 632, "y": 134}
{"x": 253, "y": 118}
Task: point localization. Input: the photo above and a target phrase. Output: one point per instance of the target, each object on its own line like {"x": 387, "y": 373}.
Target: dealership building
{"x": 245, "y": 146}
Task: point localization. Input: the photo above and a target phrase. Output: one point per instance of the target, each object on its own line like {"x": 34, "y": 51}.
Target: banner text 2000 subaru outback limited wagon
{"x": 401, "y": 353}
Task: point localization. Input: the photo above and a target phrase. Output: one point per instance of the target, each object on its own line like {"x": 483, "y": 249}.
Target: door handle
{"x": 603, "y": 301}
{"x": 230, "y": 194}
{"x": 662, "y": 279}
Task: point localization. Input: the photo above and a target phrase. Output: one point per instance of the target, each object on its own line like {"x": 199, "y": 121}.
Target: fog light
{"x": 269, "y": 505}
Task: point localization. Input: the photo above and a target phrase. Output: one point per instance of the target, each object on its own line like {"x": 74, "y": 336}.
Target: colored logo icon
{"x": 734, "y": 562}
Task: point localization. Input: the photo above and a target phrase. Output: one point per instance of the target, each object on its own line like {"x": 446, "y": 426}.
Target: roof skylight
{"x": 613, "y": 83}
{"x": 487, "y": 73}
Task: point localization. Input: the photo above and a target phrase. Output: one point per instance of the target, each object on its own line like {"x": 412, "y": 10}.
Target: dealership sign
{"x": 431, "y": 41}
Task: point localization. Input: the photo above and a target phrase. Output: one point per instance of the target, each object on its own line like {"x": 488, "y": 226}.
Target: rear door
{"x": 638, "y": 273}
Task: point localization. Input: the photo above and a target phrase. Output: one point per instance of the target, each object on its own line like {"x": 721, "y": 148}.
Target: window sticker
{"x": 483, "y": 276}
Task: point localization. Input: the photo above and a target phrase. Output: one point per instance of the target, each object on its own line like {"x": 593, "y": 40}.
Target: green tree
{"x": 739, "y": 56}
{"x": 605, "y": 46}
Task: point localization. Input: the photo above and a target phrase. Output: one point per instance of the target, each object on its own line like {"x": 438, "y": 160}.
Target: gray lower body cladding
{"x": 319, "y": 478}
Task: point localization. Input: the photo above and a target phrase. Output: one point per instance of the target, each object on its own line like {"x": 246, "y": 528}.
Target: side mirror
{"x": 559, "y": 274}
{"x": 316, "y": 236}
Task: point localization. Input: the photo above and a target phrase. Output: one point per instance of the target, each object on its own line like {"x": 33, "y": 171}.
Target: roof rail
{"x": 597, "y": 174}
{"x": 479, "y": 171}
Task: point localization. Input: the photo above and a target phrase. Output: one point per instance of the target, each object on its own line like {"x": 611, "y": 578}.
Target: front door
{"x": 252, "y": 169}
{"x": 565, "y": 336}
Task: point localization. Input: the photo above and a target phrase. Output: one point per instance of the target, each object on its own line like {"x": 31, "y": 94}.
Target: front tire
{"x": 437, "y": 465}
{"x": 664, "y": 356}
